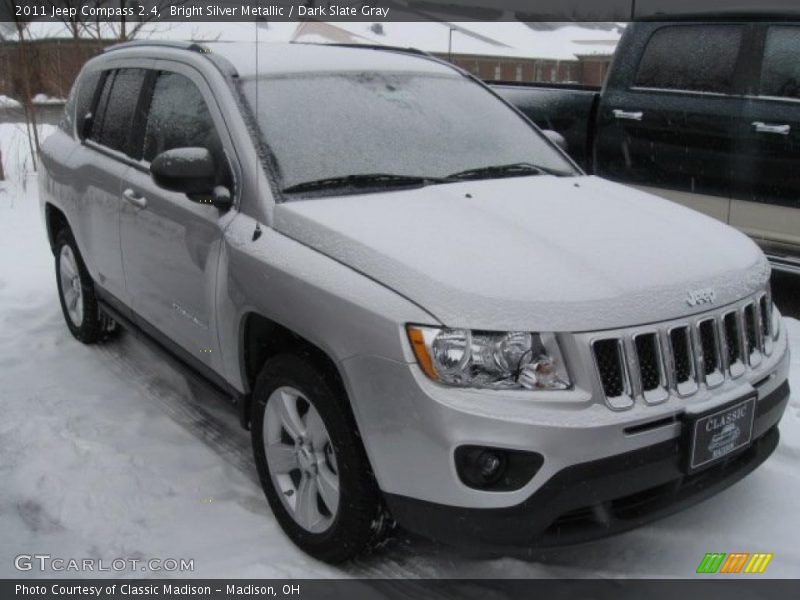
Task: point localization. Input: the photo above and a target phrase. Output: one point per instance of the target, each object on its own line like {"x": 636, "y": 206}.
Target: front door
{"x": 170, "y": 243}
{"x": 675, "y": 128}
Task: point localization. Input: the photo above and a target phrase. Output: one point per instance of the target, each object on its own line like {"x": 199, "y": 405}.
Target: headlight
{"x": 483, "y": 359}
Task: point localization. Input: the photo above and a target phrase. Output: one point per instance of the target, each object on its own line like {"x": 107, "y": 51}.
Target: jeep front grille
{"x": 610, "y": 358}
{"x": 651, "y": 362}
{"x": 649, "y": 357}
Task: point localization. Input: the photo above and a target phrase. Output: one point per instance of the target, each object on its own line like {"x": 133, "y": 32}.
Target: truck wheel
{"x": 311, "y": 463}
{"x": 84, "y": 318}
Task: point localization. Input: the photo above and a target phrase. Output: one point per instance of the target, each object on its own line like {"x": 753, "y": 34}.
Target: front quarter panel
{"x": 337, "y": 309}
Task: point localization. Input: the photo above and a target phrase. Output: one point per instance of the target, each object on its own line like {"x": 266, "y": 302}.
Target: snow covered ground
{"x": 107, "y": 452}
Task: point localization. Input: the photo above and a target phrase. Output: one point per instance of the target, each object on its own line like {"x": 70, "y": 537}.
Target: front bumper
{"x": 597, "y": 498}
{"x": 597, "y": 463}
{"x": 411, "y": 427}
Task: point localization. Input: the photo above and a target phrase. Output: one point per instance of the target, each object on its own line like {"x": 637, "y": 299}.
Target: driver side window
{"x": 780, "y": 71}
{"x": 179, "y": 118}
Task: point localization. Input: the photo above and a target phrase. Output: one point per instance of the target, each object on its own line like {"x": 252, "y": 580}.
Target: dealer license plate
{"x": 717, "y": 434}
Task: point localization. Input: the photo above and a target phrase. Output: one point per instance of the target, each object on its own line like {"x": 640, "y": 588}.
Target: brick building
{"x": 539, "y": 52}
{"x": 54, "y": 64}
{"x": 588, "y": 70}
{"x": 558, "y": 53}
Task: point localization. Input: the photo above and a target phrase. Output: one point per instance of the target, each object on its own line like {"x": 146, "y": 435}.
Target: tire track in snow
{"x": 182, "y": 409}
{"x": 397, "y": 559}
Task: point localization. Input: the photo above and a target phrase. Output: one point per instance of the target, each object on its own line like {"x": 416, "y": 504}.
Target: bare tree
{"x": 25, "y": 63}
{"x": 124, "y": 28}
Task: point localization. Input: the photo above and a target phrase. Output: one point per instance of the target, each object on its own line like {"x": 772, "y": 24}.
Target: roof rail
{"x": 191, "y": 46}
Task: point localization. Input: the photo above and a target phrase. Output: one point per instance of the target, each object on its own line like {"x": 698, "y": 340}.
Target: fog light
{"x": 496, "y": 469}
{"x": 482, "y": 467}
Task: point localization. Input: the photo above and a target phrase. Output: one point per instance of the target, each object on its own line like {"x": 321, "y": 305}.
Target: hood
{"x": 536, "y": 253}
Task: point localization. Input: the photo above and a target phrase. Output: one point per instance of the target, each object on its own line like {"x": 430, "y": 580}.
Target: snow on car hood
{"x": 536, "y": 253}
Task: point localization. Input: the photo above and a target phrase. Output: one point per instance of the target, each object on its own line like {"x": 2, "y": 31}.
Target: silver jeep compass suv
{"x": 426, "y": 312}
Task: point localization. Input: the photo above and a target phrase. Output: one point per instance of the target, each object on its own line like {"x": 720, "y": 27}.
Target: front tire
{"x": 76, "y": 293}
{"x": 310, "y": 460}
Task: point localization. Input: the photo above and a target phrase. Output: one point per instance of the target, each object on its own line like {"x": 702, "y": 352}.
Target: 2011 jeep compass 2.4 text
{"x": 426, "y": 312}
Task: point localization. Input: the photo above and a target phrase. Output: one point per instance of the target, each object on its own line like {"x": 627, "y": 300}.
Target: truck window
{"x": 780, "y": 69}
{"x": 699, "y": 58}
{"x": 112, "y": 126}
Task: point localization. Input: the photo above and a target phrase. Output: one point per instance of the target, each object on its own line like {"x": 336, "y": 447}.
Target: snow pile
{"x": 108, "y": 452}
{"x": 7, "y": 102}
{"x": 45, "y": 99}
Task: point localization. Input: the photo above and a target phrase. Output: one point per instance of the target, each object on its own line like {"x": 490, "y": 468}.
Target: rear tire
{"x": 311, "y": 462}
{"x": 85, "y": 320}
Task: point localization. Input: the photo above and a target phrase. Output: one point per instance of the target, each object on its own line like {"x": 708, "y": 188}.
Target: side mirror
{"x": 193, "y": 172}
{"x": 556, "y": 138}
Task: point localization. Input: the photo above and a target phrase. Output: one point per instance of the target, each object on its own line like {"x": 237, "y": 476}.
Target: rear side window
{"x": 112, "y": 127}
{"x": 692, "y": 58}
{"x": 780, "y": 69}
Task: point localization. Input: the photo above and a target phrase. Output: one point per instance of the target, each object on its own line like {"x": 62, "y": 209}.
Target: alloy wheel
{"x": 301, "y": 459}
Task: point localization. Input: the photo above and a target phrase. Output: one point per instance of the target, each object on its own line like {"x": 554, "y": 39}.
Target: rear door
{"x": 170, "y": 243}
{"x": 673, "y": 126}
{"x": 767, "y": 197}
{"x": 104, "y": 158}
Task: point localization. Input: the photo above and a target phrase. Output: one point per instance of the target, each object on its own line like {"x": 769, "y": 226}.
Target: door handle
{"x": 770, "y": 128}
{"x": 134, "y": 198}
{"x": 635, "y": 115}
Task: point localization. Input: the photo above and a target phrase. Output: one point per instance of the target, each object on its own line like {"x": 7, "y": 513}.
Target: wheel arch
{"x": 260, "y": 339}
{"x": 55, "y": 222}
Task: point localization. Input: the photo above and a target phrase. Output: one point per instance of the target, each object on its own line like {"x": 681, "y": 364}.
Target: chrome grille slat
{"x": 765, "y": 314}
{"x": 709, "y": 354}
{"x": 683, "y": 362}
{"x": 649, "y": 363}
{"x": 650, "y": 367}
{"x": 611, "y": 362}
{"x": 734, "y": 347}
{"x": 751, "y": 333}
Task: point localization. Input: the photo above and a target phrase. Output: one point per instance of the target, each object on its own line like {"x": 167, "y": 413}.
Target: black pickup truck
{"x": 703, "y": 113}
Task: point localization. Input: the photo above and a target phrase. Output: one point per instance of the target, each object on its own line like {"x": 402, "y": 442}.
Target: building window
{"x": 538, "y": 76}
{"x": 498, "y": 74}
{"x": 519, "y": 72}
{"x": 553, "y": 72}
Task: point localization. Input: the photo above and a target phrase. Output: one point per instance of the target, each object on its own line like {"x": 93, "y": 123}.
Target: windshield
{"x": 334, "y": 126}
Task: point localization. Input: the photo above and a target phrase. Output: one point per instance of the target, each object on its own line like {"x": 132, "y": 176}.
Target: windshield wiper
{"x": 519, "y": 169}
{"x": 369, "y": 180}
